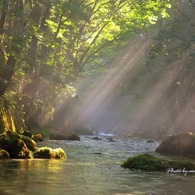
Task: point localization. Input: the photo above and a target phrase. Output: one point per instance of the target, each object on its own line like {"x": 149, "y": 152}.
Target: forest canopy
{"x": 46, "y": 45}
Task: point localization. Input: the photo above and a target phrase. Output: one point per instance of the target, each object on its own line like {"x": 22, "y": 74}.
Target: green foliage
{"x": 173, "y": 55}
{"x": 106, "y": 25}
{"x": 59, "y": 41}
{"x": 38, "y": 104}
{"x": 62, "y": 37}
{"x": 169, "y": 69}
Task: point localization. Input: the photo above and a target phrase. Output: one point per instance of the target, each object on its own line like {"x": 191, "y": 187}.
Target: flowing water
{"x": 92, "y": 168}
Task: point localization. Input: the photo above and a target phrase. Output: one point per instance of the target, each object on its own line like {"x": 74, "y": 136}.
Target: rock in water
{"x": 16, "y": 145}
{"x": 48, "y": 153}
{"x": 182, "y": 144}
{"x": 64, "y": 136}
{"x": 37, "y": 137}
{"x": 147, "y": 162}
{"x": 150, "y": 141}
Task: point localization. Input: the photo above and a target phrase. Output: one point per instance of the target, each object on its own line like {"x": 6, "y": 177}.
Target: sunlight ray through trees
{"x": 105, "y": 90}
{"x": 48, "y": 48}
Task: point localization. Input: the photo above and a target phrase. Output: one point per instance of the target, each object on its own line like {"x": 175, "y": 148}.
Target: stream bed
{"x": 92, "y": 168}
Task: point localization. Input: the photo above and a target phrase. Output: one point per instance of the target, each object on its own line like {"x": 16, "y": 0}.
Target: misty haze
{"x": 97, "y": 97}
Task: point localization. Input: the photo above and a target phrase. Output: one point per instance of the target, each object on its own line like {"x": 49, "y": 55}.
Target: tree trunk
{"x": 6, "y": 74}
{"x": 8, "y": 68}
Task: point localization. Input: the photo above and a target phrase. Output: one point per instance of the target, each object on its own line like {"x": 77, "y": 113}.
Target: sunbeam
{"x": 95, "y": 104}
{"x": 107, "y": 110}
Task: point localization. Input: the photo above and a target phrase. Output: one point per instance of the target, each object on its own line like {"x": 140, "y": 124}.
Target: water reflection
{"x": 36, "y": 164}
{"x": 93, "y": 167}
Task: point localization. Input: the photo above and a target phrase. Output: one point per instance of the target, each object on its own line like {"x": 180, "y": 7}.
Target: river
{"x": 92, "y": 168}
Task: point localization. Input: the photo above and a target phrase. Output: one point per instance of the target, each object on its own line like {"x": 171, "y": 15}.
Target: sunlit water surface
{"x": 93, "y": 167}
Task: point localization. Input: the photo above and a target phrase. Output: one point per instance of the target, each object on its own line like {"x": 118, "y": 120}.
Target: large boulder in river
{"x": 148, "y": 162}
{"x": 182, "y": 144}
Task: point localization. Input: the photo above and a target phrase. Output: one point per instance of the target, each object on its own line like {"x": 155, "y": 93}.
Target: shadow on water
{"x": 92, "y": 167}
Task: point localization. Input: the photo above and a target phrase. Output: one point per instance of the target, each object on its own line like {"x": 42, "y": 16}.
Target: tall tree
{"x": 11, "y": 32}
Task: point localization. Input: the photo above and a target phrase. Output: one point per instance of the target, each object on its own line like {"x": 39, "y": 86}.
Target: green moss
{"x": 15, "y": 144}
{"x": 43, "y": 152}
{"x": 182, "y": 164}
{"x": 59, "y": 154}
{"x": 10, "y": 135}
{"x": 147, "y": 162}
{"x": 48, "y": 153}
{"x": 37, "y": 137}
{"x": 20, "y": 146}
{"x": 30, "y": 143}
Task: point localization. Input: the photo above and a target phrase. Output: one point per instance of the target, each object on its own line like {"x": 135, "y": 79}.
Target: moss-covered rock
{"x": 15, "y": 144}
{"x": 27, "y": 133}
{"x": 64, "y": 136}
{"x": 147, "y": 162}
{"x": 182, "y": 144}
{"x": 48, "y": 153}
{"x": 43, "y": 152}
{"x": 37, "y": 137}
{"x": 59, "y": 153}
{"x": 30, "y": 143}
